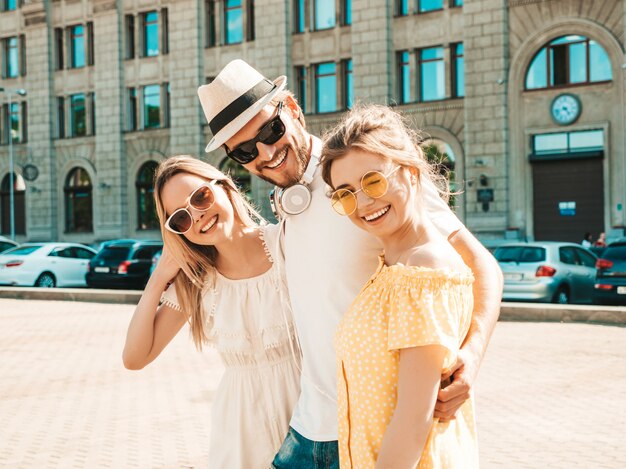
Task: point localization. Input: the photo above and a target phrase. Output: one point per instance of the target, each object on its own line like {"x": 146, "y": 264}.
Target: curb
{"x": 528, "y": 312}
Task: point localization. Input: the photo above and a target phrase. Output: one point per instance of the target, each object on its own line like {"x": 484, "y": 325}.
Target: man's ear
{"x": 293, "y": 107}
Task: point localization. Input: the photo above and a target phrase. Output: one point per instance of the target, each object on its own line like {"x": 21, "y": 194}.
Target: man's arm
{"x": 487, "y": 297}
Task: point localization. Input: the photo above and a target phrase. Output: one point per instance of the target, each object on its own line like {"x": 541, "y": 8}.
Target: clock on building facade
{"x": 565, "y": 109}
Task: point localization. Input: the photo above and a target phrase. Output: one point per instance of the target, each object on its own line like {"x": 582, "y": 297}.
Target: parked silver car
{"x": 547, "y": 272}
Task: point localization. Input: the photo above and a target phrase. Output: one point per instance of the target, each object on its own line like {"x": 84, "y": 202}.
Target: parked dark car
{"x": 610, "y": 287}
{"x": 122, "y": 264}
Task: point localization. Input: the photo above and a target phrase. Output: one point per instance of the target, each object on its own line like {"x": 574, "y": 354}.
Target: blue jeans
{"x": 298, "y": 452}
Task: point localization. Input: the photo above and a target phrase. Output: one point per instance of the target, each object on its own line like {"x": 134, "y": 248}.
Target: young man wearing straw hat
{"x": 327, "y": 259}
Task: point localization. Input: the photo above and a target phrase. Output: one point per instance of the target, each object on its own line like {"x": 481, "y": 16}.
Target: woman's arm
{"x": 152, "y": 327}
{"x": 418, "y": 383}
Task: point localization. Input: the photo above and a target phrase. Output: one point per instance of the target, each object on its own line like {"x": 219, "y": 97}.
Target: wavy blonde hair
{"x": 197, "y": 262}
{"x": 380, "y": 130}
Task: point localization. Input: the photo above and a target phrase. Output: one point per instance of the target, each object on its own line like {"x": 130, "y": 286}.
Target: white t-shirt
{"x": 328, "y": 260}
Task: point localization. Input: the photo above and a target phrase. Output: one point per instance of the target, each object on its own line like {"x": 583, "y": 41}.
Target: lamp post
{"x": 10, "y": 92}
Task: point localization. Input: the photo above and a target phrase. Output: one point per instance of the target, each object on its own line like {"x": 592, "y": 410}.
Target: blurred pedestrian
{"x": 587, "y": 240}
{"x": 601, "y": 241}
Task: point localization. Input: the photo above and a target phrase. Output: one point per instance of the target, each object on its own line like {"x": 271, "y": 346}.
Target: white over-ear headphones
{"x": 295, "y": 199}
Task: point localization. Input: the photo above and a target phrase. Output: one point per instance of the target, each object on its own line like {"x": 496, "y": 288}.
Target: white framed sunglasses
{"x": 200, "y": 199}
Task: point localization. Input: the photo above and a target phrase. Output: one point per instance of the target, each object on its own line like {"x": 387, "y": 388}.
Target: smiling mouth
{"x": 209, "y": 225}
{"x": 278, "y": 160}
{"x": 376, "y": 215}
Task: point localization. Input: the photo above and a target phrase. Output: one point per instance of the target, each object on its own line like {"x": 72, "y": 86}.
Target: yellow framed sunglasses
{"x": 373, "y": 183}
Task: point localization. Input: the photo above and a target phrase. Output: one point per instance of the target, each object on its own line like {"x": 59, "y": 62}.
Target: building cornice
{"x": 102, "y": 6}
{"x": 521, "y": 3}
{"x": 34, "y": 13}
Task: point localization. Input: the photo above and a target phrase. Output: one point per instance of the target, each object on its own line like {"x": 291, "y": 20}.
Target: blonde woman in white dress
{"x": 224, "y": 282}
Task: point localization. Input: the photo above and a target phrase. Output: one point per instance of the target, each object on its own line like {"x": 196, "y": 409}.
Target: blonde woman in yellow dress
{"x": 408, "y": 323}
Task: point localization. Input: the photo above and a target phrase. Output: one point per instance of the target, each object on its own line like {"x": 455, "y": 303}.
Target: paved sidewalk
{"x": 549, "y": 395}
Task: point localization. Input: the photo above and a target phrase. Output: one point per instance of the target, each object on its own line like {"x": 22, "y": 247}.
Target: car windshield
{"x": 520, "y": 254}
{"x": 21, "y": 251}
{"x": 617, "y": 253}
{"x": 114, "y": 253}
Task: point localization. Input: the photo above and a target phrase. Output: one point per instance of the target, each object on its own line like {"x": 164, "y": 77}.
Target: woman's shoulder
{"x": 436, "y": 255}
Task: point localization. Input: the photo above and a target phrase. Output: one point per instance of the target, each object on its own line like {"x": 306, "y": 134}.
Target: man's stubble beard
{"x": 301, "y": 153}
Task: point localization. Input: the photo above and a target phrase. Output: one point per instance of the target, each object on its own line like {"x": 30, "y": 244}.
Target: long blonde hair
{"x": 197, "y": 262}
{"x": 379, "y": 130}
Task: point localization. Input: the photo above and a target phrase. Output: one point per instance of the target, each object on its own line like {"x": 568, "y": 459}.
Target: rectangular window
{"x": 348, "y": 84}
{"x": 346, "y": 13}
{"x": 325, "y": 87}
{"x": 24, "y": 121}
{"x": 299, "y": 19}
{"x": 233, "y": 21}
{"x": 9, "y": 5}
{"x": 150, "y": 28}
{"x": 151, "y": 107}
{"x": 23, "y": 55}
{"x": 429, "y": 5}
{"x": 301, "y": 87}
{"x": 578, "y": 62}
{"x": 92, "y": 113}
{"x": 250, "y": 21}
{"x": 431, "y": 74}
{"x": 456, "y": 3}
{"x": 130, "y": 36}
{"x": 78, "y": 117}
{"x": 458, "y": 71}
{"x": 132, "y": 123}
{"x": 324, "y": 14}
{"x": 165, "y": 30}
{"x": 60, "y": 117}
{"x": 568, "y": 142}
{"x": 77, "y": 46}
{"x": 211, "y": 37}
{"x": 404, "y": 77}
{"x": 402, "y": 7}
{"x": 11, "y": 68}
{"x": 166, "y": 105}
{"x": 90, "y": 44}
{"x": 58, "y": 48}
{"x": 14, "y": 123}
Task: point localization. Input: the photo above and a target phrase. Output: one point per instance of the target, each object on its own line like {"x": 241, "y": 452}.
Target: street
{"x": 549, "y": 395}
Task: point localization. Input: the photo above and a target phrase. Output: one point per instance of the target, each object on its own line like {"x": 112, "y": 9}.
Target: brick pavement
{"x": 549, "y": 395}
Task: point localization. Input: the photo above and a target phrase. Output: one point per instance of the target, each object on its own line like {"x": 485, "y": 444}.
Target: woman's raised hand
{"x": 167, "y": 267}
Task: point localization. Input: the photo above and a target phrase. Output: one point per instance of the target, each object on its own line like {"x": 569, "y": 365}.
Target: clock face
{"x": 565, "y": 109}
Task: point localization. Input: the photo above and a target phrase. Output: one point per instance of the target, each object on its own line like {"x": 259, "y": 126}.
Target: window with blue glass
{"x": 301, "y": 87}
{"x": 348, "y": 84}
{"x": 346, "y": 12}
{"x": 456, "y": 3}
{"x": 77, "y": 46}
{"x": 424, "y": 6}
{"x": 402, "y": 7}
{"x": 299, "y": 18}
{"x": 10, "y": 58}
{"x": 151, "y": 106}
{"x": 404, "y": 77}
{"x": 146, "y": 209}
{"x": 432, "y": 74}
{"x": 569, "y": 60}
{"x": 458, "y": 71}
{"x": 324, "y": 14}
{"x": 78, "y": 115}
{"x": 150, "y": 34}
{"x": 326, "y": 87}
{"x": 568, "y": 143}
{"x": 233, "y": 21}
{"x": 9, "y": 5}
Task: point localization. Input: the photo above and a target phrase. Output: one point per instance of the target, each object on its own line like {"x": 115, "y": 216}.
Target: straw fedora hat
{"x": 234, "y": 97}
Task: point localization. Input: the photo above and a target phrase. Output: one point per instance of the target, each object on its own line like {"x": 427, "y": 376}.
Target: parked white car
{"x": 45, "y": 265}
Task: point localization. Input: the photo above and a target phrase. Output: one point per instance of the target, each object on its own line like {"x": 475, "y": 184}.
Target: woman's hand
{"x": 167, "y": 267}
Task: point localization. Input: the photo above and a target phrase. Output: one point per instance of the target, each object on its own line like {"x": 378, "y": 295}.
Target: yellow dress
{"x": 401, "y": 307}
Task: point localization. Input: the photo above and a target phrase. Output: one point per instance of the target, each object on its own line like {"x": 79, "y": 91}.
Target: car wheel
{"x": 561, "y": 296}
{"x": 46, "y": 280}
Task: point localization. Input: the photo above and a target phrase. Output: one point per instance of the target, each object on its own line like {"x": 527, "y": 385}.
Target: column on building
{"x": 486, "y": 128}
{"x": 110, "y": 192}
{"x": 42, "y": 193}
{"x": 372, "y": 56}
{"x": 185, "y": 65}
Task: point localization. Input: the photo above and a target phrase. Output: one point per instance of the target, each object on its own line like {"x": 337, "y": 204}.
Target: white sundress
{"x": 249, "y": 323}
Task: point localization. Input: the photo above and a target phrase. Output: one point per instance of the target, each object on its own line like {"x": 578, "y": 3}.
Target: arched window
{"x": 569, "y": 60}
{"x": 78, "y": 202}
{"x": 146, "y": 211}
{"x": 439, "y": 153}
{"x": 19, "y": 207}
{"x": 239, "y": 175}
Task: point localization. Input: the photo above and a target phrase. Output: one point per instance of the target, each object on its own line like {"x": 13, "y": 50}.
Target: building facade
{"x": 524, "y": 99}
